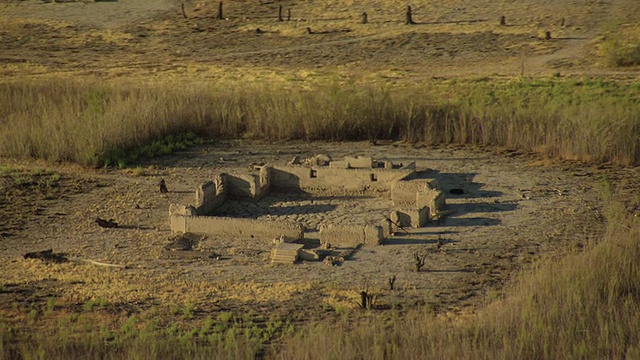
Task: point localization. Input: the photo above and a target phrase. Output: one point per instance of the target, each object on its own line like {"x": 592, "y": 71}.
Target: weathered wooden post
{"x": 280, "y": 13}
{"x": 503, "y": 20}
{"x": 184, "y": 14}
{"x": 547, "y": 35}
{"x": 220, "y": 17}
{"x": 365, "y": 18}
{"x": 288, "y": 14}
{"x": 409, "y": 20}
{"x": 562, "y": 22}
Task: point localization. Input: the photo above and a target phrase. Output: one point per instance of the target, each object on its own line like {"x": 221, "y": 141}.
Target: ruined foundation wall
{"x": 359, "y": 162}
{"x": 335, "y": 180}
{"x": 411, "y": 217}
{"x": 431, "y": 198}
{"x": 209, "y": 197}
{"x": 236, "y": 227}
{"x": 403, "y": 193}
{"x": 240, "y": 186}
{"x": 342, "y": 235}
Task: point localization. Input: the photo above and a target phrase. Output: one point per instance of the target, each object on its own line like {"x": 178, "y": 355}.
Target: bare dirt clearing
{"x": 514, "y": 209}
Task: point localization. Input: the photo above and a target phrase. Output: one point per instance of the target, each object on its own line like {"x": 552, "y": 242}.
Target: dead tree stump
{"x": 392, "y": 282}
{"x": 409, "y": 20}
{"x": 220, "y": 15}
{"x": 503, "y": 20}
{"x": 366, "y": 300}
{"x": 280, "y": 13}
{"x": 419, "y": 261}
{"x": 547, "y": 35}
{"x": 365, "y": 18}
{"x": 163, "y": 186}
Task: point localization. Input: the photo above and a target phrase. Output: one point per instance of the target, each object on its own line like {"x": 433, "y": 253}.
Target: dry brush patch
{"x": 97, "y": 124}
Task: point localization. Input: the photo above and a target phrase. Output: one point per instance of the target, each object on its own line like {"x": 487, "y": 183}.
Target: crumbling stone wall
{"x": 209, "y": 197}
{"x": 417, "y": 200}
{"x": 185, "y": 219}
{"x": 350, "y": 236}
{"x": 327, "y": 179}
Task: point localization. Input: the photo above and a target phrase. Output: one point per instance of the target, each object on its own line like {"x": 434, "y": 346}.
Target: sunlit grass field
{"x": 116, "y": 123}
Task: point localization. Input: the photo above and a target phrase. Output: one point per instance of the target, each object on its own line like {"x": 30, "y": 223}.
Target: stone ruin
{"x": 416, "y": 201}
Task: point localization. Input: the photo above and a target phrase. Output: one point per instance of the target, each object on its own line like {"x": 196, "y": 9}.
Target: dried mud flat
{"x": 515, "y": 209}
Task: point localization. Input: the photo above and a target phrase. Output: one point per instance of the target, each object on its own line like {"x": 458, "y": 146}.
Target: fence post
{"x": 280, "y": 13}
{"x": 365, "y": 18}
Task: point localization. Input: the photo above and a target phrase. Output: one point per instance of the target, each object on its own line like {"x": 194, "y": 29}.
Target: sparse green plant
{"x": 206, "y": 327}
{"x": 92, "y": 303}
{"x": 187, "y": 310}
{"x": 33, "y": 316}
{"x": 225, "y": 317}
{"x": 51, "y": 304}
{"x": 175, "y": 309}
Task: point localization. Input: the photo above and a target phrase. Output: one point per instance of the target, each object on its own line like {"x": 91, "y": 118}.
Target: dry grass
{"x": 99, "y": 124}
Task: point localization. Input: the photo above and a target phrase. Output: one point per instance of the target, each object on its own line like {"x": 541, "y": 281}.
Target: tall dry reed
{"x": 88, "y": 121}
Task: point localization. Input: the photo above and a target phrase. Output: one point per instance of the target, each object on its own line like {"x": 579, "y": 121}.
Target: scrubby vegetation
{"x": 100, "y": 124}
